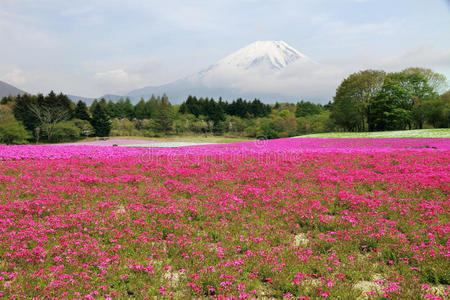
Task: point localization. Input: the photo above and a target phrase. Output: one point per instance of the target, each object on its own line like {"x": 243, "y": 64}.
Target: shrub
{"x": 66, "y": 131}
{"x": 85, "y": 127}
{"x": 13, "y": 133}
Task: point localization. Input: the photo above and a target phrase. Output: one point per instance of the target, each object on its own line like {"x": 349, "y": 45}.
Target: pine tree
{"x": 128, "y": 109}
{"x": 165, "y": 115}
{"x": 81, "y": 111}
{"x": 93, "y": 105}
{"x": 141, "y": 110}
{"x": 100, "y": 121}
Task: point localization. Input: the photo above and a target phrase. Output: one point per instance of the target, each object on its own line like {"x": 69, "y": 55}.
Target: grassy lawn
{"x": 419, "y": 133}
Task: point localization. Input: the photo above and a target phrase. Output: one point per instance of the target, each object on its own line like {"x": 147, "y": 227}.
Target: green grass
{"x": 418, "y": 133}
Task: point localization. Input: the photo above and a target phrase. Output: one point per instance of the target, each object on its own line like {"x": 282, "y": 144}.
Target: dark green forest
{"x": 369, "y": 100}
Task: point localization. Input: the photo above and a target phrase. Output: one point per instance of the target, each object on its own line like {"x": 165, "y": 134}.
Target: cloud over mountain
{"x": 269, "y": 70}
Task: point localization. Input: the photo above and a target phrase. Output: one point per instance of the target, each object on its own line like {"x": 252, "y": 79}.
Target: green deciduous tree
{"x": 437, "y": 81}
{"x": 437, "y": 112}
{"x": 396, "y": 106}
{"x": 11, "y": 131}
{"x": 65, "y": 131}
{"x": 350, "y": 108}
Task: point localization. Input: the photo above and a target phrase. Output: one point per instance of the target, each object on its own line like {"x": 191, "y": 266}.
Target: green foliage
{"x": 306, "y": 108}
{"x": 11, "y": 131}
{"x": 22, "y": 112}
{"x": 437, "y": 111}
{"x": 120, "y": 109}
{"x": 165, "y": 115}
{"x": 375, "y": 101}
{"x": 141, "y": 110}
{"x": 66, "y": 131}
{"x": 350, "y": 109}
{"x": 85, "y": 127}
{"x": 124, "y": 127}
{"x": 100, "y": 120}
{"x": 7, "y": 100}
{"x": 286, "y": 124}
{"x": 215, "y": 110}
{"x": 40, "y": 114}
{"x": 81, "y": 111}
{"x": 271, "y": 130}
{"x": 398, "y": 104}
{"x": 317, "y": 123}
{"x": 437, "y": 81}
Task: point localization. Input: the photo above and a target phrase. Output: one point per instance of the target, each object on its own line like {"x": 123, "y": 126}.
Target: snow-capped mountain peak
{"x": 269, "y": 54}
{"x": 258, "y": 70}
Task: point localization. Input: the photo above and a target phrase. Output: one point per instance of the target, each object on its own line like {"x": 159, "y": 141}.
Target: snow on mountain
{"x": 261, "y": 57}
{"x": 247, "y": 72}
{"x": 270, "y": 54}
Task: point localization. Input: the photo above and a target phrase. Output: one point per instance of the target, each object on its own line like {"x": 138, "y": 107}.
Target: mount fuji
{"x": 272, "y": 55}
{"x": 250, "y": 72}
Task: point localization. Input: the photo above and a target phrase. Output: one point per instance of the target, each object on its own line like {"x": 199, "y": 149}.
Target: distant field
{"x": 187, "y": 138}
{"x": 166, "y": 142}
{"x": 419, "y": 133}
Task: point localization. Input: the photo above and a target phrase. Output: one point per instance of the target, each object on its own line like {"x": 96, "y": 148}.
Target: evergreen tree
{"x": 306, "y": 108}
{"x": 81, "y": 111}
{"x": 63, "y": 102}
{"x": 141, "y": 110}
{"x": 112, "y": 109}
{"x": 22, "y": 111}
{"x": 165, "y": 114}
{"x": 93, "y": 105}
{"x": 153, "y": 107}
{"x": 128, "y": 109}
{"x": 100, "y": 120}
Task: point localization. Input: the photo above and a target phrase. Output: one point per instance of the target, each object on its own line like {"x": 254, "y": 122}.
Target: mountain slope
{"x": 267, "y": 54}
{"x": 229, "y": 78}
{"x": 7, "y": 89}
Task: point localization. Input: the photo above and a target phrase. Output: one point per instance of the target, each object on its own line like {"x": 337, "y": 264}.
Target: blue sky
{"x": 89, "y": 48}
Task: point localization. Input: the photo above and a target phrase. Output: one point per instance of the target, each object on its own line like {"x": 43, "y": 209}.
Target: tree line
{"x": 368, "y": 100}
{"x": 55, "y": 118}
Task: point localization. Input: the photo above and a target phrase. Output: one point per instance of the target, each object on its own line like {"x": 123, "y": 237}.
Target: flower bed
{"x": 286, "y": 218}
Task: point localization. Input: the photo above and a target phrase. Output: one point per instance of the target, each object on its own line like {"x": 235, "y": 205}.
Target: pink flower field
{"x": 288, "y": 218}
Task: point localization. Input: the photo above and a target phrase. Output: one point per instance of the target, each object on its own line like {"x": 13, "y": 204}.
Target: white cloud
{"x": 137, "y": 73}
{"x": 117, "y": 75}
{"x": 122, "y": 74}
{"x": 15, "y": 77}
{"x": 116, "y": 80}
